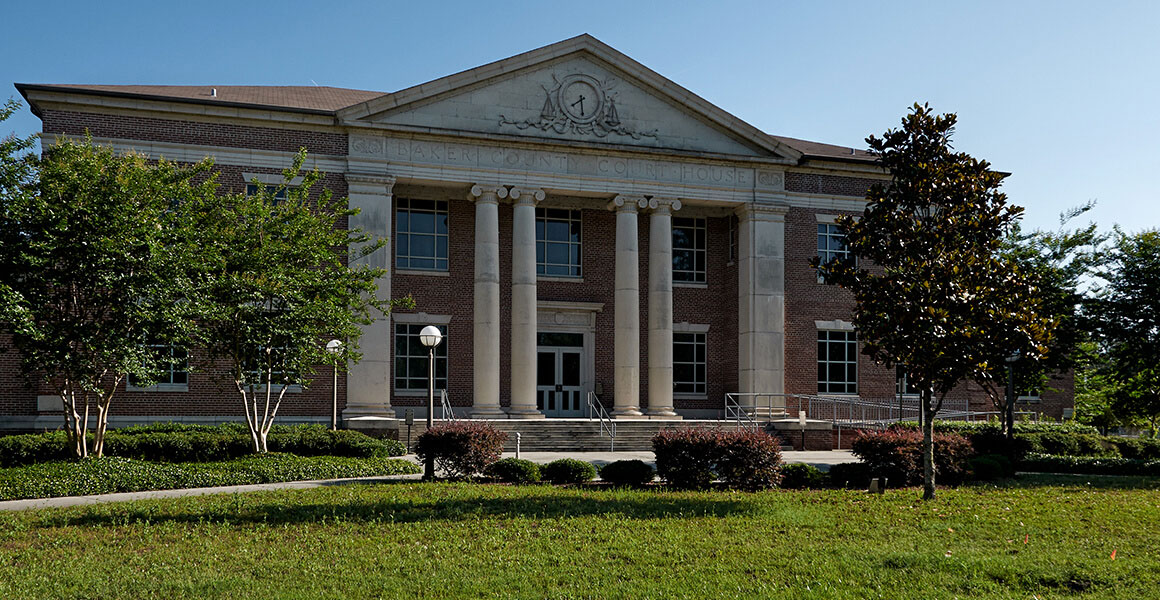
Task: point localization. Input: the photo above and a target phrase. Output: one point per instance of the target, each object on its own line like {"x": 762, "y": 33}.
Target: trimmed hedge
{"x": 855, "y": 475}
{"x": 967, "y": 428}
{"x": 630, "y": 473}
{"x": 176, "y": 442}
{"x": 462, "y": 450}
{"x": 568, "y": 470}
{"x": 1045, "y": 438}
{"x": 115, "y": 474}
{"x": 897, "y": 455}
{"x": 990, "y": 467}
{"x": 693, "y": 458}
{"x": 1080, "y": 465}
{"x": 799, "y": 476}
{"x": 514, "y": 470}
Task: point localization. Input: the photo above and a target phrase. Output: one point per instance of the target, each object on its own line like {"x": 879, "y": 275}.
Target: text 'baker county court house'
{"x": 574, "y": 222}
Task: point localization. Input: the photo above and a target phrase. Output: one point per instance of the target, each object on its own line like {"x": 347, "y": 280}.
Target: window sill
{"x": 431, "y": 273}
{"x": 560, "y": 279}
{"x": 414, "y": 393}
{"x": 687, "y": 396}
{"x": 277, "y": 388}
{"x": 690, "y": 284}
{"x": 161, "y": 387}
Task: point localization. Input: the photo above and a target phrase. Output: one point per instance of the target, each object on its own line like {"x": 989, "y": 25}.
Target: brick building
{"x": 575, "y": 223}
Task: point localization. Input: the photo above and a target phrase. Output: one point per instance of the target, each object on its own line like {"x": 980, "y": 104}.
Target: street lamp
{"x": 1010, "y": 360}
{"x": 430, "y": 337}
{"x": 334, "y": 347}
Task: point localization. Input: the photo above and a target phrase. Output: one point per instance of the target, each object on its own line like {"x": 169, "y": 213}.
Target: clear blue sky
{"x": 1064, "y": 95}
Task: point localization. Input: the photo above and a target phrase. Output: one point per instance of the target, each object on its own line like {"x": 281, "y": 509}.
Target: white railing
{"x": 607, "y": 425}
{"x": 445, "y": 406}
{"x": 734, "y": 411}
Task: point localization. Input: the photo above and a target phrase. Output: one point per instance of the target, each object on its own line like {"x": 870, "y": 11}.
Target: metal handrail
{"x": 445, "y": 404}
{"x": 735, "y": 412}
{"x": 607, "y": 425}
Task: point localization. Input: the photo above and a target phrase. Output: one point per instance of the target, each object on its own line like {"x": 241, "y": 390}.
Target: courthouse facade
{"x": 574, "y": 222}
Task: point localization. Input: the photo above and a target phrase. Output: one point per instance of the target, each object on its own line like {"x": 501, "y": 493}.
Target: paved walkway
{"x": 822, "y": 460}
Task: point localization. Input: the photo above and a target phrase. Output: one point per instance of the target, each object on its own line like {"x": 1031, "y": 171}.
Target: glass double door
{"x": 559, "y": 390}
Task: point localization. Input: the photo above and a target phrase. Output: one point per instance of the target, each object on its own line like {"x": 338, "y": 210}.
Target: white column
{"x": 761, "y": 303}
{"x": 485, "y": 367}
{"x": 523, "y": 317}
{"x": 626, "y": 309}
{"x": 368, "y": 383}
{"x": 660, "y": 307}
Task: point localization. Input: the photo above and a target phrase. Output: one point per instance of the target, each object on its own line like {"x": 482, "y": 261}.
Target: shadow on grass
{"x": 240, "y": 509}
{"x": 1102, "y": 482}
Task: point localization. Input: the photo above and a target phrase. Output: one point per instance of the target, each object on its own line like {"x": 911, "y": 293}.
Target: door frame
{"x": 554, "y": 316}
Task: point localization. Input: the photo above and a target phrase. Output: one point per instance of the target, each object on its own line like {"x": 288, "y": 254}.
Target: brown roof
{"x": 331, "y": 99}
{"x": 302, "y": 97}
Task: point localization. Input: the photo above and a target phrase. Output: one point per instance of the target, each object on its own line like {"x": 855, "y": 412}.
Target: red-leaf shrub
{"x": 897, "y": 455}
{"x": 461, "y": 449}
{"x": 693, "y": 458}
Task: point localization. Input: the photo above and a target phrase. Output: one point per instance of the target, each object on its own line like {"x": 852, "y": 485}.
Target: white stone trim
{"x": 424, "y": 272}
{"x": 420, "y": 318}
{"x": 835, "y": 325}
{"x": 687, "y": 327}
{"x": 272, "y": 179}
{"x": 189, "y": 153}
{"x": 159, "y": 387}
{"x": 832, "y": 219}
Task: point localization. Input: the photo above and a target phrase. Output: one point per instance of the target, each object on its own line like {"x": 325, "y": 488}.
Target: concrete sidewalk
{"x": 822, "y": 460}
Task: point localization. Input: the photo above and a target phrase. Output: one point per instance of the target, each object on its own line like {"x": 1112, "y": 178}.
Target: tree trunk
{"x": 927, "y": 446}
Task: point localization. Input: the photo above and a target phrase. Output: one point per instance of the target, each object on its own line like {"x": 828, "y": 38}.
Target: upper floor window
{"x": 174, "y": 367}
{"x": 558, "y": 242}
{"x": 689, "y": 360}
{"x": 278, "y": 191}
{"x": 266, "y": 365}
{"x": 411, "y": 358}
{"x": 837, "y": 362}
{"x": 689, "y": 249}
{"x": 421, "y": 234}
{"x": 831, "y": 244}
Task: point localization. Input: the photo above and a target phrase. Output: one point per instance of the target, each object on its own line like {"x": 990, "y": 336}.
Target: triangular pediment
{"x": 578, "y": 90}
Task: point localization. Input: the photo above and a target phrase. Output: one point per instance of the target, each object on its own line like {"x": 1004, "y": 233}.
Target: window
{"x": 1028, "y": 395}
{"x": 411, "y": 358}
{"x": 688, "y": 363}
{"x": 256, "y": 372}
{"x": 174, "y": 366}
{"x": 558, "y": 242}
{"x": 278, "y": 191}
{"x": 421, "y": 235}
{"x": 837, "y": 362}
{"x": 831, "y": 245}
{"x": 689, "y": 249}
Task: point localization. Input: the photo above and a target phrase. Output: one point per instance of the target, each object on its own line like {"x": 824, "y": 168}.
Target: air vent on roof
{"x": 213, "y": 92}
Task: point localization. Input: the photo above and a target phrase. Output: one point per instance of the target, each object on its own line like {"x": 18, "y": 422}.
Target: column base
{"x": 489, "y": 413}
{"x": 627, "y": 413}
{"x": 525, "y": 414}
{"x": 354, "y": 411}
{"x": 664, "y": 414}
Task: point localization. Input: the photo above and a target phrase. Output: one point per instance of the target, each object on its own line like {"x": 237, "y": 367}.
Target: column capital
{"x": 663, "y": 206}
{"x": 623, "y": 203}
{"x": 487, "y": 193}
{"x": 526, "y": 196}
{"x": 761, "y": 212}
{"x": 367, "y": 183}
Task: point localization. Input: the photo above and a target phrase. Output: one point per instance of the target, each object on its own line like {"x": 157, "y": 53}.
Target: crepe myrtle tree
{"x": 933, "y": 290}
{"x": 95, "y": 272}
{"x": 280, "y": 277}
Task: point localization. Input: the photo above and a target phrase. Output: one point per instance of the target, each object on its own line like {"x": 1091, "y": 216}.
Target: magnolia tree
{"x": 95, "y": 272}
{"x": 934, "y": 292}
{"x": 279, "y": 278}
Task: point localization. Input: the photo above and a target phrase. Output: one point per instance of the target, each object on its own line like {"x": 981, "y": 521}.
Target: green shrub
{"x": 854, "y": 475}
{"x": 178, "y": 442}
{"x": 990, "y": 467}
{"x": 114, "y": 474}
{"x": 631, "y": 473}
{"x": 798, "y": 476}
{"x": 1084, "y": 465}
{"x": 1136, "y": 448}
{"x": 514, "y": 470}
{"x": 568, "y": 470}
{"x": 461, "y": 449}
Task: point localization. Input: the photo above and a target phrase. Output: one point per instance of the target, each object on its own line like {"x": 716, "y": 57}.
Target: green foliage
{"x": 1128, "y": 315}
{"x": 461, "y": 449}
{"x": 855, "y": 475}
{"x": 172, "y": 442}
{"x": 969, "y": 428}
{"x": 115, "y": 474}
{"x": 98, "y": 270}
{"x": 630, "y": 473}
{"x": 990, "y": 467}
{"x": 568, "y": 470}
{"x": 514, "y": 470}
{"x": 798, "y": 476}
{"x": 1087, "y": 465}
{"x": 933, "y": 289}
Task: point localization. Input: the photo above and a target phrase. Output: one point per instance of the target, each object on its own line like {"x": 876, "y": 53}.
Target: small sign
{"x": 409, "y": 416}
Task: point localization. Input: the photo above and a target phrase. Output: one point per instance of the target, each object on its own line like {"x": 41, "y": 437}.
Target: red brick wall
{"x": 189, "y": 132}
{"x": 836, "y": 185}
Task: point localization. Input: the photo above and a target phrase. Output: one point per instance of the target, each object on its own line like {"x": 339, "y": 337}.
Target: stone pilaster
{"x": 368, "y": 383}
{"x": 523, "y": 315}
{"x": 761, "y": 303}
{"x": 660, "y": 307}
{"x": 626, "y": 309}
{"x": 485, "y": 368}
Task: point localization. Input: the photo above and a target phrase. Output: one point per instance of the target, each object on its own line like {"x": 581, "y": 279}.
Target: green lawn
{"x": 1036, "y": 538}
